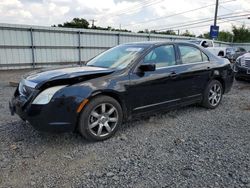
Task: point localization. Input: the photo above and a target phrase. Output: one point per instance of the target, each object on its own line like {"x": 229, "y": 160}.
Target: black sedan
{"x": 242, "y": 67}
{"x": 124, "y": 81}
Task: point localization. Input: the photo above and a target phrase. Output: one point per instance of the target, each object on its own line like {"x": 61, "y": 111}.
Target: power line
{"x": 235, "y": 20}
{"x": 203, "y": 19}
{"x": 176, "y": 14}
{"x": 130, "y": 9}
{"x": 135, "y": 9}
{"x": 191, "y": 24}
{"x": 226, "y": 8}
{"x": 205, "y": 25}
{"x": 180, "y": 25}
{"x": 134, "y": 6}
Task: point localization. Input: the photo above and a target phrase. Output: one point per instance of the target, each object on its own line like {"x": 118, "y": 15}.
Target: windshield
{"x": 118, "y": 57}
{"x": 230, "y": 50}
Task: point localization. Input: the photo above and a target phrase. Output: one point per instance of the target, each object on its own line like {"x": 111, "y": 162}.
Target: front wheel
{"x": 100, "y": 118}
{"x": 212, "y": 95}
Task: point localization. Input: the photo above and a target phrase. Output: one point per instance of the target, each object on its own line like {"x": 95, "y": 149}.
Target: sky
{"x": 133, "y": 15}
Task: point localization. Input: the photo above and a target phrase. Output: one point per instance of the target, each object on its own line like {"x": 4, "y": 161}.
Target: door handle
{"x": 173, "y": 75}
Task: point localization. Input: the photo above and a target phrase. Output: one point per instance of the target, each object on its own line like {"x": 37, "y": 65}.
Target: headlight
{"x": 45, "y": 96}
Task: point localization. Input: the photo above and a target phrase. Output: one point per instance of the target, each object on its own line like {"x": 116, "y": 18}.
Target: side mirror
{"x": 205, "y": 44}
{"x": 147, "y": 67}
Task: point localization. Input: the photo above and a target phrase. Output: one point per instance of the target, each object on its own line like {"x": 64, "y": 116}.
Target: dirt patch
{"x": 246, "y": 108}
{"x": 245, "y": 87}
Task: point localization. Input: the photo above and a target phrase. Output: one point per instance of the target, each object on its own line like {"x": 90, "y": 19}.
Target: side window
{"x": 162, "y": 56}
{"x": 204, "y": 57}
{"x": 210, "y": 43}
{"x": 190, "y": 54}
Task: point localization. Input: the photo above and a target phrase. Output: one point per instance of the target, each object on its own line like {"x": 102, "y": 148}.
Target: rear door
{"x": 194, "y": 72}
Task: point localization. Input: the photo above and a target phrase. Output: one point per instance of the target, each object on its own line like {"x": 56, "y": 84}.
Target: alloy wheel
{"x": 103, "y": 119}
{"x": 215, "y": 95}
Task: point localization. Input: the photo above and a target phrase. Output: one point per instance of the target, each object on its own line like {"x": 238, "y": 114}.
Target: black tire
{"x": 238, "y": 78}
{"x": 86, "y": 116}
{"x": 206, "y": 102}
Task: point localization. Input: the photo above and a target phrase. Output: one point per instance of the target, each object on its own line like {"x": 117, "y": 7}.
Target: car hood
{"x": 246, "y": 55}
{"x": 68, "y": 75}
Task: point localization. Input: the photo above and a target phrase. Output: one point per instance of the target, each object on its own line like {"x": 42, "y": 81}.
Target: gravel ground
{"x": 188, "y": 147}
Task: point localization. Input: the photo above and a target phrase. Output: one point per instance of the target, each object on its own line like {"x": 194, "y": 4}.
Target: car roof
{"x": 152, "y": 43}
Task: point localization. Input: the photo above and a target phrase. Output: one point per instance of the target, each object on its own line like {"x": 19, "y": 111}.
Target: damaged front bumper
{"x": 57, "y": 116}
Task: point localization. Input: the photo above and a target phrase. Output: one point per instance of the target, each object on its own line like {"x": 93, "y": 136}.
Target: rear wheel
{"x": 212, "y": 95}
{"x": 100, "y": 118}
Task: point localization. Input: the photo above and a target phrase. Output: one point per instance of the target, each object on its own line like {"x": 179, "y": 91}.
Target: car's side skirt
{"x": 174, "y": 101}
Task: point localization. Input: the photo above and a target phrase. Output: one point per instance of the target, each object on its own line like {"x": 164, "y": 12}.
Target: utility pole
{"x": 214, "y": 29}
{"x": 93, "y": 22}
{"x": 216, "y": 12}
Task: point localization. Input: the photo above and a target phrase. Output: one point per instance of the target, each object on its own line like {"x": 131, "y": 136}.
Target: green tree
{"x": 225, "y": 36}
{"x": 241, "y": 34}
{"x": 205, "y": 36}
{"x": 168, "y": 32}
{"x": 141, "y": 31}
{"x": 76, "y": 23}
{"x": 187, "y": 34}
{"x": 144, "y": 31}
{"x": 82, "y": 23}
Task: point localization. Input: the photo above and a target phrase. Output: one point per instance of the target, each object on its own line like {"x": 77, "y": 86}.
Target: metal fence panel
{"x": 55, "y": 55}
{"x": 87, "y": 54}
{"x": 97, "y": 40}
{"x": 54, "y": 39}
{"x": 244, "y": 45}
{"x": 127, "y": 38}
{"x": 19, "y": 56}
{"x": 23, "y": 46}
{"x": 15, "y": 38}
{"x": 158, "y": 39}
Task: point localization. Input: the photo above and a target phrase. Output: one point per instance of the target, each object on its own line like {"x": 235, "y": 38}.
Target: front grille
{"x": 247, "y": 63}
{"x": 25, "y": 90}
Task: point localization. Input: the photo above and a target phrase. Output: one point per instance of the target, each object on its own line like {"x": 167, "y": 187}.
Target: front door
{"x": 155, "y": 89}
